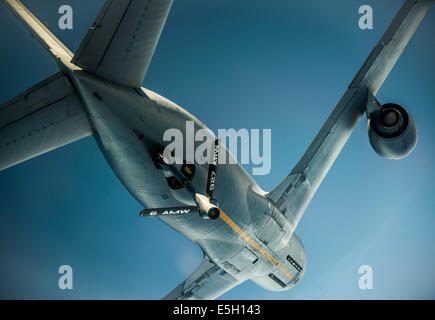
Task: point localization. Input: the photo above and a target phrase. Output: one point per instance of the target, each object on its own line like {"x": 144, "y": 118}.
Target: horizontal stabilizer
{"x": 208, "y": 281}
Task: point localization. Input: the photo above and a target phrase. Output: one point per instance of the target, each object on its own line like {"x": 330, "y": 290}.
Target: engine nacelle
{"x": 392, "y": 131}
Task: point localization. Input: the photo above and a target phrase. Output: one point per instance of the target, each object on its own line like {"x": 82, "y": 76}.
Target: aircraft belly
{"x": 127, "y": 126}
{"x": 119, "y": 117}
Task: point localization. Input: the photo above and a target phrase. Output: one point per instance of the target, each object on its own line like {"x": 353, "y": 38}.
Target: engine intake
{"x": 392, "y": 131}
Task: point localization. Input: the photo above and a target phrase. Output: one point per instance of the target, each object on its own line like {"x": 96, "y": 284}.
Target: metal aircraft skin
{"x": 244, "y": 232}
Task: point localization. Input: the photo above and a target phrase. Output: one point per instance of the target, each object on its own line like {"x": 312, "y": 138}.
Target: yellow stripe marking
{"x": 253, "y": 243}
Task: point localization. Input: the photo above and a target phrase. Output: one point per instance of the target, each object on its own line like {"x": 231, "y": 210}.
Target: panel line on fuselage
{"x": 254, "y": 244}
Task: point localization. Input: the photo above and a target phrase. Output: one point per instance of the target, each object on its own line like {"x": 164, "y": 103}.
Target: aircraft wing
{"x": 207, "y": 282}
{"x": 40, "y": 32}
{"x": 121, "y": 42}
{"x": 294, "y": 193}
{"x": 42, "y": 118}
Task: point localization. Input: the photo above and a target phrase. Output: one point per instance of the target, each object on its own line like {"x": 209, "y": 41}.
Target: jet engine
{"x": 392, "y": 131}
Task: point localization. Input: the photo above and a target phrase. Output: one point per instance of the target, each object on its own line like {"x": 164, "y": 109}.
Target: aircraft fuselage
{"x": 252, "y": 241}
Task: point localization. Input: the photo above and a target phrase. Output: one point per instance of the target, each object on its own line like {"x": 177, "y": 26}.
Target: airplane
{"x": 244, "y": 232}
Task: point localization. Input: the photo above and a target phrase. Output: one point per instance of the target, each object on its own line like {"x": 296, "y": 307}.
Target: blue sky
{"x": 281, "y": 65}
